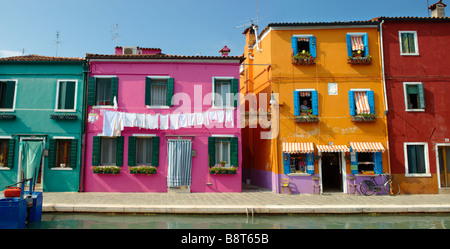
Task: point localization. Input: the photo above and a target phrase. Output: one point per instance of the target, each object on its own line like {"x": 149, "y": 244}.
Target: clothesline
{"x": 114, "y": 122}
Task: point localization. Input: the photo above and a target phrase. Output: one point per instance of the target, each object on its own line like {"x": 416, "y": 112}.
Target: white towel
{"x": 220, "y": 116}
{"x": 129, "y": 119}
{"x": 174, "y": 119}
{"x": 140, "y": 120}
{"x": 205, "y": 118}
{"x": 229, "y": 118}
{"x": 151, "y": 121}
{"x": 183, "y": 120}
{"x": 199, "y": 118}
{"x": 164, "y": 122}
{"x": 191, "y": 119}
{"x": 212, "y": 115}
{"x": 109, "y": 121}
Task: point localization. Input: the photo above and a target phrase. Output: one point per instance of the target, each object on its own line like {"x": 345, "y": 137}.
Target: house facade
{"x": 417, "y": 83}
{"x": 158, "y": 122}
{"x": 331, "y": 128}
{"x": 42, "y": 120}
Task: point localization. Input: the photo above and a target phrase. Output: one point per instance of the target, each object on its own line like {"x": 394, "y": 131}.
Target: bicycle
{"x": 369, "y": 187}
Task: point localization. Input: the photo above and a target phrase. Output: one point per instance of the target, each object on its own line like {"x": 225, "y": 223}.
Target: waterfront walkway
{"x": 252, "y": 200}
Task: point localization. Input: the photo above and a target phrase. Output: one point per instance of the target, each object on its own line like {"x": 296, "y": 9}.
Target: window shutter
{"x": 371, "y": 99}
{"x": 294, "y": 45}
{"x": 155, "y": 151}
{"x": 310, "y": 163}
{"x": 11, "y": 150}
{"x": 351, "y": 102}
{"x": 349, "y": 45}
{"x": 378, "y": 163}
{"x": 170, "y": 91}
{"x": 312, "y": 46}
{"x": 73, "y": 153}
{"x": 235, "y": 90}
{"x": 354, "y": 161}
{"x": 92, "y": 88}
{"x": 96, "y": 143}
{"x": 70, "y": 95}
{"x": 212, "y": 150}
{"x": 286, "y": 163}
{"x": 114, "y": 89}
{"x": 234, "y": 152}
{"x": 366, "y": 44}
{"x": 315, "y": 103}
{"x": 9, "y": 97}
{"x": 148, "y": 91}
{"x": 296, "y": 103}
{"x": 132, "y": 151}
{"x": 119, "y": 153}
{"x": 51, "y": 153}
{"x": 421, "y": 96}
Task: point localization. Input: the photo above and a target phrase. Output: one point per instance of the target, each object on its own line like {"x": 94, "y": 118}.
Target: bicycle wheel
{"x": 392, "y": 188}
{"x": 367, "y": 187}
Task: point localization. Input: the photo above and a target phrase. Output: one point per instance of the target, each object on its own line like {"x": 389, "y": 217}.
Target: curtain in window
{"x": 103, "y": 91}
{"x": 108, "y": 151}
{"x": 179, "y": 163}
{"x": 159, "y": 93}
{"x": 66, "y": 95}
{"x": 223, "y": 151}
{"x": 222, "y": 88}
{"x": 362, "y": 103}
{"x": 408, "y": 45}
{"x": 416, "y": 159}
{"x": 144, "y": 151}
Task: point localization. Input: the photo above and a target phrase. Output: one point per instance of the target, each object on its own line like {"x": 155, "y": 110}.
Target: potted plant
{"x": 223, "y": 163}
{"x": 143, "y": 169}
{"x": 222, "y": 170}
{"x": 106, "y": 170}
{"x": 304, "y": 58}
{"x": 363, "y": 117}
{"x": 306, "y": 116}
{"x": 358, "y": 59}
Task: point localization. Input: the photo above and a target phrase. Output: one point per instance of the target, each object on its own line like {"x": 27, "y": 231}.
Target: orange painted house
{"x": 330, "y": 127}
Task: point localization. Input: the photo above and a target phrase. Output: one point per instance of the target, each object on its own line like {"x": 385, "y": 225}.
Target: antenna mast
{"x": 116, "y": 36}
{"x": 57, "y": 42}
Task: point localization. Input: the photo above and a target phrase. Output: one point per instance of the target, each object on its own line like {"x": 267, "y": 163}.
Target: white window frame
{"x": 426, "y": 156}
{"x": 15, "y": 96}
{"x": 95, "y": 106}
{"x": 101, "y": 151}
{"x": 229, "y": 147}
{"x": 213, "y": 101}
{"x": 137, "y": 151}
{"x": 416, "y": 42}
{"x": 62, "y": 138}
{"x": 158, "y": 77}
{"x": 75, "y": 96}
{"x": 405, "y": 96}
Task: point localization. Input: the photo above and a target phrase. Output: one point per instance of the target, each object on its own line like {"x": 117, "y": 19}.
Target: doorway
{"x": 331, "y": 172}
{"x": 31, "y": 160}
{"x": 444, "y": 166}
{"x": 179, "y": 163}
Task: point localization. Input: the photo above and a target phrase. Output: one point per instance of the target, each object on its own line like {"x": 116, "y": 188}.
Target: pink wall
{"x": 187, "y": 76}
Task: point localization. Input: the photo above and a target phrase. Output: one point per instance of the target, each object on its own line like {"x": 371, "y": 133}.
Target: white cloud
{"x": 9, "y": 53}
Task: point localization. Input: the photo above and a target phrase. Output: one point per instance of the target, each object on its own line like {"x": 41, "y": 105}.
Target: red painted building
{"x": 417, "y": 79}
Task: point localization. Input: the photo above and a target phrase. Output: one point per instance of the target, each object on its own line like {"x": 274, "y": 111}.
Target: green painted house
{"x": 42, "y": 121}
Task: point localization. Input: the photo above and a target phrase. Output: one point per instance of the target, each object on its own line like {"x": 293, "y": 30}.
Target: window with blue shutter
{"x": 286, "y": 163}
{"x": 296, "y": 103}
{"x": 371, "y": 100}
{"x": 294, "y": 45}
{"x": 357, "y": 45}
{"x": 351, "y": 103}
{"x": 366, "y": 44}
{"x": 315, "y": 103}
{"x": 378, "y": 163}
{"x": 349, "y": 45}
{"x": 310, "y": 163}
{"x": 312, "y": 46}
{"x": 354, "y": 161}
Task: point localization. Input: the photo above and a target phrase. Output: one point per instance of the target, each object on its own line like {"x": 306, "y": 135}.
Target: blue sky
{"x": 181, "y": 27}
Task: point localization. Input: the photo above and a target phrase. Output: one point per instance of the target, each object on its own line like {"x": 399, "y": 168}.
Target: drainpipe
{"x": 84, "y": 133}
{"x": 386, "y": 109}
{"x": 256, "y": 37}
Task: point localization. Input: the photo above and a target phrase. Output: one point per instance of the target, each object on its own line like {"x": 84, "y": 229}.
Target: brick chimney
{"x": 225, "y": 51}
{"x": 437, "y": 9}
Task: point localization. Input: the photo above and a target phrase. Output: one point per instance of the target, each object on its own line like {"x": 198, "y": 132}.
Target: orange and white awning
{"x": 333, "y": 148}
{"x": 362, "y": 103}
{"x": 357, "y": 43}
{"x": 293, "y": 148}
{"x": 367, "y": 147}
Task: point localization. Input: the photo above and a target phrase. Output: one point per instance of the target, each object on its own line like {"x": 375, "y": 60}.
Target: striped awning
{"x": 357, "y": 43}
{"x": 303, "y": 39}
{"x": 298, "y": 148}
{"x": 333, "y": 148}
{"x": 367, "y": 147}
{"x": 362, "y": 103}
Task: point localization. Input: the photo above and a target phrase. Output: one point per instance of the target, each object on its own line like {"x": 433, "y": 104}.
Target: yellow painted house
{"x": 330, "y": 129}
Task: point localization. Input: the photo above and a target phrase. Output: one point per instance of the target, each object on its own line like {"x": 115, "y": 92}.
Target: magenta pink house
{"x": 158, "y": 122}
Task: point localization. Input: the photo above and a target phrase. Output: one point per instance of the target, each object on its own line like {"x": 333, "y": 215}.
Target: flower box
{"x": 364, "y": 118}
{"x": 217, "y": 170}
{"x": 359, "y": 60}
{"x": 7, "y": 116}
{"x": 306, "y": 118}
{"x": 148, "y": 170}
{"x": 303, "y": 58}
{"x": 106, "y": 170}
{"x": 63, "y": 116}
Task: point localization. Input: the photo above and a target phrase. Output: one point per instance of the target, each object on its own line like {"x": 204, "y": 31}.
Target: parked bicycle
{"x": 369, "y": 187}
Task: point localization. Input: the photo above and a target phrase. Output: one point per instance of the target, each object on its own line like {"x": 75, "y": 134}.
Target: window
{"x": 143, "y": 150}
{"x": 62, "y": 152}
{"x": 366, "y": 162}
{"x": 7, "y": 94}
{"x": 223, "y": 149}
{"x": 357, "y": 44}
{"x": 102, "y": 90}
{"x": 159, "y": 91}
{"x": 408, "y": 43}
{"x": 304, "y": 44}
{"x": 66, "y": 95}
{"x": 298, "y": 163}
{"x": 306, "y": 102}
{"x": 414, "y": 96}
{"x": 224, "y": 92}
{"x": 107, "y": 151}
{"x": 361, "y": 101}
{"x": 416, "y": 159}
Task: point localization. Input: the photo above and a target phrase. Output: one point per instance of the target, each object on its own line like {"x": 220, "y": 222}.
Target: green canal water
{"x": 259, "y": 221}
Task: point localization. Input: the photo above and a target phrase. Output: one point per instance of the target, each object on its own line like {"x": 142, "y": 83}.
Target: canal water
{"x": 259, "y": 221}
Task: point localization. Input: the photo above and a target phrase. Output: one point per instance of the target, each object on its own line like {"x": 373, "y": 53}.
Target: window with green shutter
{"x": 159, "y": 91}
{"x": 140, "y": 151}
{"x": 7, "y": 94}
{"x": 7, "y": 148}
{"x": 102, "y": 90}
{"x": 66, "y": 95}
{"x": 62, "y": 153}
{"x": 107, "y": 151}
{"x": 223, "y": 149}
{"x": 225, "y": 92}
{"x": 414, "y": 96}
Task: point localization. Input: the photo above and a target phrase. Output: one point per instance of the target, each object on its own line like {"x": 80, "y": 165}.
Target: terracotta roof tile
{"x": 160, "y": 56}
{"x": 36, "y": 58}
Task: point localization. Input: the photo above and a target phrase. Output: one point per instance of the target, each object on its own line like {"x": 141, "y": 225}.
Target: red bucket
{"x": 12, "y": 192}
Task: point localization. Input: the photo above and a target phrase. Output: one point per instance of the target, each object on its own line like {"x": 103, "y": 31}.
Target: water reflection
{"x": 259, "y": 221}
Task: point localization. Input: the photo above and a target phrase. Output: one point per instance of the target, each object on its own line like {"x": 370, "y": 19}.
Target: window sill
{"x": 4, "y": 168}
{"x": 414, "y": 110}
{"x": 6, "y": 110}
{"x": 102, "y": 107}
{"x": 222, "y": 107}
{"x": 65, "y": 110}
{"x": 412, "y": 54}
{"x": 157, "y": 107}
{"x": 298, "y": 174}
{"x": 61, "y": 169}
{"x": 306, "y": 119}
{"x": 418, "y": 175}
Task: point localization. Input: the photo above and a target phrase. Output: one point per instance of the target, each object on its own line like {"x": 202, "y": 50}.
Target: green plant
{"x": 106, "y": 170}
{"x": 222, "y": 170}
{"x": 143, "y": 170}
{"x": 303, "y": 55}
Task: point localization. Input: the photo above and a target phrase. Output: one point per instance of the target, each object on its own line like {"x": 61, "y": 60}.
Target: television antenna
{"x": 116, "y": 35}
{"x": 57, "y": 42}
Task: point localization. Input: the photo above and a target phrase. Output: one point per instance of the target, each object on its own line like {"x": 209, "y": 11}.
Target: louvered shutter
{"x": 73, "y": 153}
{"x": 131, "y": 151}
{"x": 119, "y": 151}
{"x": 212, "y": 150}
{"x": 155, "y": 151}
